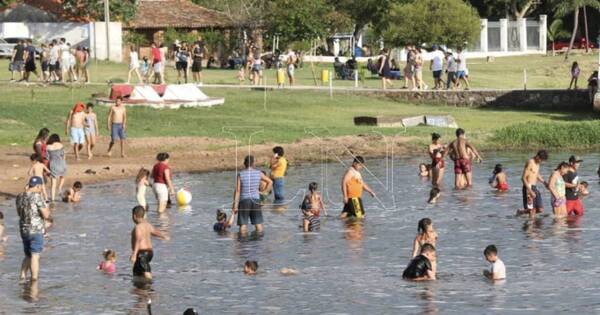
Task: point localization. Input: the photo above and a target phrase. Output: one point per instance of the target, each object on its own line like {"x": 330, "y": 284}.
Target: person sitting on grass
{"x": 497, "y": 269}
{"x": 420, "y": 267}
{"x": 73, "y": 195}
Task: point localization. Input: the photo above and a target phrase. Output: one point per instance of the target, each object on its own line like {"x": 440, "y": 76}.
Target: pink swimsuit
{"x": 107, "y": 267}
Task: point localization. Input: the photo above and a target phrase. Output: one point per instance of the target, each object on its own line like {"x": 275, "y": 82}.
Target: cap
{"x": 575, "y": 159}
{"x": 448, "y": 51}
{"x": 190, "y": 311}
{"x": 35, "y": 180}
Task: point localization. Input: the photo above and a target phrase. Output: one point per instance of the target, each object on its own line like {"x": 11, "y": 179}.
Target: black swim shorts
{"x": 142, "y": 262}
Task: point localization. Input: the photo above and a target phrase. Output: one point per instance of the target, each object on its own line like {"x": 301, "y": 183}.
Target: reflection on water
{"x": 346, "y": 268}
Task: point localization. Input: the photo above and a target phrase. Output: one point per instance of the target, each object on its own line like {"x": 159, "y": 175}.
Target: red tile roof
{"x": 177, "y": 14}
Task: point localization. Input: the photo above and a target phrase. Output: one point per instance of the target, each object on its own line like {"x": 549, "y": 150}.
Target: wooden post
{"x": 525, "y": 79}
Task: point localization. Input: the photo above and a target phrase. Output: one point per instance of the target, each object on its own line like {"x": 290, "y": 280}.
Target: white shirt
{"x": 498, "y": 270}
{"x": 134, "y": 61}
{"x": 452, "y": 66}
{"x": 437, "y": 58}
{"x": 462, "y": 65}
{"x": 65, "y": 53}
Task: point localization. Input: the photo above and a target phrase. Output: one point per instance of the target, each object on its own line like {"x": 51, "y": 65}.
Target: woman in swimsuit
{"x": 498, "y": 180}
{"x": 556, "y": 185}
{"x": 425, "y": 235}
{"x": 437, "y": 151}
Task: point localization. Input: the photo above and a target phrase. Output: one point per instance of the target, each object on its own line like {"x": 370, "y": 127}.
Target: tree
{"x": 566, "y": 7}
{"x": 514, "y": 9}
{"x": 449, "y": 22}
{"x": 121, "y": 10}
{"x": 364, "y": 12}
{"x": 556, "y": 31}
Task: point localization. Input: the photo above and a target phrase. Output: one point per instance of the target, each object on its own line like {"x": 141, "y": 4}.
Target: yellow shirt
{"x": 279, "y": 170}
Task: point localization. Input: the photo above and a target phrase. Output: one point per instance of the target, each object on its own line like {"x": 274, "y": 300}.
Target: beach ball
{"x": 184, "y": 197}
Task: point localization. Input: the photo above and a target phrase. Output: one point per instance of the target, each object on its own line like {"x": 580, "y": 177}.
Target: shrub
{"x": 550, "y": 135}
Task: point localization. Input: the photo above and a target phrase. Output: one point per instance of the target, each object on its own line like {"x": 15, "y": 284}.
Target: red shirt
{"x": 155, "y": 55}
{"x": 158, "y": 172}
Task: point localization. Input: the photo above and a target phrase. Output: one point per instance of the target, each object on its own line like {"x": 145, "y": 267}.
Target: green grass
{"x": 579, "y": 135}
{"x": 289, "y": 116}
{"x": 503, "y": 73}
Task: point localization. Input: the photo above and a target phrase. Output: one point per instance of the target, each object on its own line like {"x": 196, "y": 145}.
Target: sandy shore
{"x": 189, "y": 154}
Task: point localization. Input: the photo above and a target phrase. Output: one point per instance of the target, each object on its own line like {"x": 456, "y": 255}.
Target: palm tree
{"x": 555, "y": 32}
{"x": 564, "y": 7}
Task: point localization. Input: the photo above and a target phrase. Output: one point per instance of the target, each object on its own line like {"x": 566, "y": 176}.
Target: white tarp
{"x": 184, "y": 92}
{"x": 145, "y": 93}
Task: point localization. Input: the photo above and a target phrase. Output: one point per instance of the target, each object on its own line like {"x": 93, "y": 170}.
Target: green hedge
{"x": 550, "y": 135}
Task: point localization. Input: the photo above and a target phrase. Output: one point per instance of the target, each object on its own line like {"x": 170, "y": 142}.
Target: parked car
{"x": 6, "y": 49}
{"x": 578, "y": 44}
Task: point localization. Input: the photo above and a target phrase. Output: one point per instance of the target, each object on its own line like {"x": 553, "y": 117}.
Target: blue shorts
{"x": 249, "y": 210}
{"x": 117, "y": 132}
{"x": 461, "y": 74}
{"x": 77, "y": 136}
{"x": 32, "y": 243}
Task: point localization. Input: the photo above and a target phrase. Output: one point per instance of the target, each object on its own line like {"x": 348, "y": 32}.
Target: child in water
{"x": 108, "y": 265}
{"x": 222, "y": 222}
{"x": 425, "y": 235}
{"x": 423, "y": 170}
{"x": 2, "y": 237}
{"x": 264, "y": 189}
{"x": 583, "y": 188}
{"x": 250, "y": 267}
{"x": 434, "y": 194}
{"x": 311, "y": 207}
{"x": 39, "y": 169}
{"x": 498, "y": 179}
{"x": 141, "y": 243}
{"x": 141, "y": 183}
{"x": 73, "y": 195}
{"x": 497, "y": 269}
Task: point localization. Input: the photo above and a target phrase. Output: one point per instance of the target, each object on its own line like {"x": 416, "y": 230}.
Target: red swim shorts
{"x": 503, "y": 187}
{"x": 462, "y": 166}
{"x": 574, "y": 207}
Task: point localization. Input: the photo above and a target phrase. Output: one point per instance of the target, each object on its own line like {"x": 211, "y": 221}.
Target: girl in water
{"x": 311, "y": 207}
{"x": 556, "y": 185}
{"x": 437, "y": 151}
{"x": 141, "y": 183}
{"x": 498, "y": 179}
{"x": 425, "y": 235}
{"x": 108, "y": 265}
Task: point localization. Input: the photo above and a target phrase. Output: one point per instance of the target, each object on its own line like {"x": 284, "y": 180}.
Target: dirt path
{"x": 189, "y": 154}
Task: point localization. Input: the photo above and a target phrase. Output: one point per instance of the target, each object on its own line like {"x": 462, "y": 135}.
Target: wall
{"x": 91, "y": 35}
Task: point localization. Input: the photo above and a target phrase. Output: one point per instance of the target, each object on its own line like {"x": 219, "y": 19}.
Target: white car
{"x": 6, "y": 49}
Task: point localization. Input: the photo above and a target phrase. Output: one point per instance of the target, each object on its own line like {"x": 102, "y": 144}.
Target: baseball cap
{"x": 575, "y": 159}
{"x": 35, "y": 180}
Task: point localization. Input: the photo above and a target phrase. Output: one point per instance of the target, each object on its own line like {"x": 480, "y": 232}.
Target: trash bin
{"x": 280, "y": 77}
{"x": 324, "y": 76}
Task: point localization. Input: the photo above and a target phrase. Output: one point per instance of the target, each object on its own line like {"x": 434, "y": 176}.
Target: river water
{"x": 552, "y": 267}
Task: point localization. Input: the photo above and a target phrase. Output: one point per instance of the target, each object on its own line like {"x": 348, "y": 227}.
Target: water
{"x": 551, "y": 267}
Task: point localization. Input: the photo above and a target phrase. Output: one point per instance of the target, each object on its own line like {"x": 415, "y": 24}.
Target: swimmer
{"x": 39, "y": 169}
{"x": 141, "y": 184}
{"x": 288, "y": 272}
{"x": 108, "y": 265}
{"x": 250, "y": 267}
{"x": 498, "y": 179}
{"x": 3, "y": 238}
{"x": 425, "y": 235}
{"x": 265, "y": 188}
{"x": 141, "y": 243}
{"x": 434, "y": 194}
{"x": 497, "y": 269}
{"x": 583, "y": 188}
{"x": 423, "y": 170}
{"x": 437, "y": 151}
{"x": 222, "y": 222}
{"x": 311, "y": 207}
{"x": 73, "y": 195}
{"x": 530, "y": 178}
{"x": 420, "y": 267}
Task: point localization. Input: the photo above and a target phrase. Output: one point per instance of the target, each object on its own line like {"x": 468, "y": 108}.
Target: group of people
{"x": 592, "y": 81}
{"x": 59, "y": 62}
{"x": 255, "y": 65}
{"x": 455, "y": 67}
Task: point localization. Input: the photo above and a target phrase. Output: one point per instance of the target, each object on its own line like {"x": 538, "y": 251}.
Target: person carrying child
{"x": 223, "y": 223}
{"x": 311, "y": 207}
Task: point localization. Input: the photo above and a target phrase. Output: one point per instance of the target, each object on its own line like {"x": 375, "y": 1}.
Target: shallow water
{"x": 551, "y": 267}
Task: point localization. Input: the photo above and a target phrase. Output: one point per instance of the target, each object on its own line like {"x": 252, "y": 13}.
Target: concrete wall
{"x": 91, "y": 35}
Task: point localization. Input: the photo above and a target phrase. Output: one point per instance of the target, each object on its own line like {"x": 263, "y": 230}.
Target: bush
{"x": 578, "y": 135}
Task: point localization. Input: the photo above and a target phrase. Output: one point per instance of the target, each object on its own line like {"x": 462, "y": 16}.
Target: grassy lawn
{"x": 289, "y": 115}
{"x": 503, "y": 73}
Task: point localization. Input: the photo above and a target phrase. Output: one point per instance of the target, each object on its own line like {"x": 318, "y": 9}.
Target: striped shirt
{"x": 250, "y": 183}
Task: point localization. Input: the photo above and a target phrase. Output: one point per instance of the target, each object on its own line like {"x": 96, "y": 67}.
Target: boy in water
{"x": 38, "y": 169}
{"x": 311, "y": 207}
{"x": 141, "y": 243}
{"x": 352, "y": 189}
{"x": 532, "y": 199}
{"x": 497, "y": 269}
{"x": 420, "y": 268}
{"x": 222, "y": 222}
{"x": 73, "y": 195}
{"x": 250, "y": 267}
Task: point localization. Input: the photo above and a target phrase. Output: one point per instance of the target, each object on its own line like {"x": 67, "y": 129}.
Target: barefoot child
{"x": 108, "y": 265}
{"x": 73, "y": 194}
{"x": 39, "y": 169}
{"x": 497, "y": 269}
{"x": 141, "y": 183}
{"x": 141, "y": 243}
{"x": 222, "y": 222}
{"x": 91, "y": 129}
{"x": 311, "y": 207}
{"x": 74, "y": 128}
{"x": 498, "y": 179}
{"x": 250, "y": 267}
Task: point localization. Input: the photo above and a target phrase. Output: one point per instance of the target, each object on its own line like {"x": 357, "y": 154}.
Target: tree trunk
{"x": 587, "y": 39}
{"x": 575, "y": 25}
{"x": 553, "y": 51}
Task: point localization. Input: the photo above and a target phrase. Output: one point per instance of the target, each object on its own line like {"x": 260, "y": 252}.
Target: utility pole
{"x": 107, "y": 24}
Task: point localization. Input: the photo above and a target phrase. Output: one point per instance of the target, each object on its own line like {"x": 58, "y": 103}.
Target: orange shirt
{"x": 354, "y": 187}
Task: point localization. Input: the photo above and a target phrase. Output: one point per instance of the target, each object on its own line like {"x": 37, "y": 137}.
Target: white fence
{"x": 92, "y": 35}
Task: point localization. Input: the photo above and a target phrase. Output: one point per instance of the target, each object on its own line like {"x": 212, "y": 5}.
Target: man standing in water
{"x": 117, "y": 125}
{"x": 574, "y": 205}
{"x": 532, "y": 199}
{"x": 246, "y": 197}
{"x": 459, "y": 153}
{"x": 352, "y": 189}
{"x": 32, "y": 211}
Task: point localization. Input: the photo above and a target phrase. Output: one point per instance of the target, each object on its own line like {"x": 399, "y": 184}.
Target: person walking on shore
{"x": 32, "y": 211}
{"x": 74, "y": 128}
{"x": 459, "y": 153}
{"x": 532, "y": 198}
{"x": 117, "y": 125}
